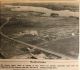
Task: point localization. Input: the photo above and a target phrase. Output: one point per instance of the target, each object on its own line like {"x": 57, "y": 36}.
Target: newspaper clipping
{"x": 39, "y": 35}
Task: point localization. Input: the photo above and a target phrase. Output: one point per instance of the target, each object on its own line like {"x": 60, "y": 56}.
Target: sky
{"x": 25, "y": 1}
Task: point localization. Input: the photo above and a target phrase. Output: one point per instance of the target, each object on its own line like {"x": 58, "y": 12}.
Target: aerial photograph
{"x": 39, "y": 31}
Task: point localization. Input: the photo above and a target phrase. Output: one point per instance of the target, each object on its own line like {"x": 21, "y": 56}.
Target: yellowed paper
{"x": 39, "y": 34}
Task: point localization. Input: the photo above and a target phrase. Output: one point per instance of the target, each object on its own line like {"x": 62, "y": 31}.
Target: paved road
{"x": 33, "y": 46}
